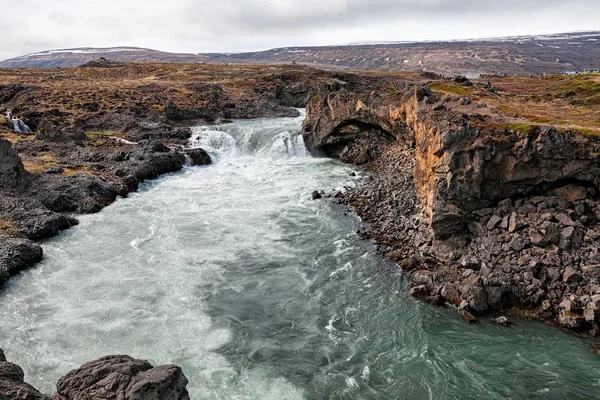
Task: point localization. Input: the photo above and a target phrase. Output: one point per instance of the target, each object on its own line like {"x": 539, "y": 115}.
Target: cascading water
{"x": 234, "y": 273}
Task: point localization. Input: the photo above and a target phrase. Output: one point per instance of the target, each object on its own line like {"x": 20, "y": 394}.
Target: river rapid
{"x": 233, "y": 273}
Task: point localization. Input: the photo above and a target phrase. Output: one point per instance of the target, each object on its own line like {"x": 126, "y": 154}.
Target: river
{"x": 235, "y": 274}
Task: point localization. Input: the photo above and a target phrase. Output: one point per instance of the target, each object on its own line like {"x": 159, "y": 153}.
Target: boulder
{"x": 467, "y": 316}
{"x": 570, "y": 320}
{"x": 502, "y": 321}
{"x": 17, "y": 254}
{"x": 450, "y": 294}
{"x": 122, "y": 377}
{"x": 198, "y": 156}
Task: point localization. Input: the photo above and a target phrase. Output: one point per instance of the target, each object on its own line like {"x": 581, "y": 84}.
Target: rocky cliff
{"x": 483, "y": 219}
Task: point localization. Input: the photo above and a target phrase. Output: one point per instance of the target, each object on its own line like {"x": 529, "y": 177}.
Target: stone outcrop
{"x": 12, "y": 172}
{"x": 123, "y": 377}
{"x": 17, "y": 254}
{"x": 111, "y": 378}
{"x": 482, "y": 219}
{"x": 459, "y": 167}
{"x": 198, "y": 156}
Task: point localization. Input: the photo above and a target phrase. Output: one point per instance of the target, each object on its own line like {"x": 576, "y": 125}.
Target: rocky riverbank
{"x": 102, "y": 129}
{"x": 484, "y": 213}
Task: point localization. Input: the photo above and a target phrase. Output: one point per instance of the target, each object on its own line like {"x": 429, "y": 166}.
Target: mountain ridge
{"x": 520, "y": 55}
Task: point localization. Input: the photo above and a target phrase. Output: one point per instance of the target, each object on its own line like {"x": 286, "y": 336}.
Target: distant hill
{"x": 512, "y": 55}
{"x": 66, "y": 58}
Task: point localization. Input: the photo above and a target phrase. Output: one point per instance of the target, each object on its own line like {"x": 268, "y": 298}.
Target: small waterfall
{"x": 20, "y": 126}
{"x": 258, "y": 138}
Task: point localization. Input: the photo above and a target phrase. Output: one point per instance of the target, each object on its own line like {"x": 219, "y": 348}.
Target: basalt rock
{"x": 110, "y": 378}
{"x": 123, "y": 378}
{"x": 17, "y": 254}
{"x": 501, "y": 219}
{"x": 12, "y": 172}
{"x": 459, "y": 168}
{"x": 12, "y": 384}
{"x": 198, "y": 156}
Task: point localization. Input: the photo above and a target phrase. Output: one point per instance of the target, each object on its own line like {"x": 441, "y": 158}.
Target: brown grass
{"x": 7, "y": 228}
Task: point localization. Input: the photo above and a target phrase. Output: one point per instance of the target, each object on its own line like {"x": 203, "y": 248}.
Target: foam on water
{"x": 234, "y": 273}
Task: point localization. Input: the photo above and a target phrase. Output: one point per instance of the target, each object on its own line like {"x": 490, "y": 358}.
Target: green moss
{"x": 587, "y": 101}
{"x": 450, "y": 88}
{"x": 523, "y": 128}
{"x": 580, "y": 91}
{"x": 98, "y": 134}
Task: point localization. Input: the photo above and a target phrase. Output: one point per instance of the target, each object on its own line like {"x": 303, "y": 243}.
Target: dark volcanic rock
{"x": 109, "y": 378}
{"x": 12, "y": 385}
{"x": 198, "y": 156}
{"x": 17, "y": 254}
{"x": 12, "y": 172}
{"x": 499, "y": 219}
{"x": 122, "y": 377}
{"x": 31, "y": 219}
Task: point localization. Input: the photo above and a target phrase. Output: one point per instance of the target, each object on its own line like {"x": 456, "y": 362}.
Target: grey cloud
{"x": 238, "y": 25}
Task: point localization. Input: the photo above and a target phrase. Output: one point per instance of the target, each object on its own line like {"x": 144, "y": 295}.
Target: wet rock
{"x": 316, "y": 195}
{"x": 123, "y": 377}
{"x": 502, "y": 321}
{"x": 467, "y": 316}
{"x": 571, "y": 320}
{"x": 450, "y": 294}
{"x": 422, "y": 278}
{"x": 419, "y": 292}
{"x": 591, "y": 314}
{"x": 12, "y": 385}
{"x": 436, "y": 300}
{"x": 17, "y": 254}
{"x": 198, "y": 156}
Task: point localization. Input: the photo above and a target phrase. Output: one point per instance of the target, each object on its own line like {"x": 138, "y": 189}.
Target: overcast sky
{"x": 29, "y": 26}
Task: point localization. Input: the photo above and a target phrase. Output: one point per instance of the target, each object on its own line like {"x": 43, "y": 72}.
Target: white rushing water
{"x": 134, "y": 278}
{"x": 233, "y": 273}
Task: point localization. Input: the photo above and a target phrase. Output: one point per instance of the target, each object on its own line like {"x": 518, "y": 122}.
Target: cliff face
{"x": 483, "y": 219}
{"x": 459, "y": 168}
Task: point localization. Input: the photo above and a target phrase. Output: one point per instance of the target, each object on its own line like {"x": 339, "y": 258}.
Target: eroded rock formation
{"x": 482, "y": 219}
